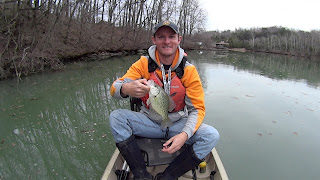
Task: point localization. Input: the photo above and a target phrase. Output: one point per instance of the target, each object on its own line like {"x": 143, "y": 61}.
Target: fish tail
{"x": 166, "y": 123}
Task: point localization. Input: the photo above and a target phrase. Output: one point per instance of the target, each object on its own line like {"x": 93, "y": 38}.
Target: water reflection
{"x": 55, "y": 125}
{"x": 266, "y": 121}
{"x": 277, "y": 67}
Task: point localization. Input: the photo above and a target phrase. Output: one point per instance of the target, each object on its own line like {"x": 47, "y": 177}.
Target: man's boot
{"x": 186, "y": 161}
{"x": 130, "y": 150}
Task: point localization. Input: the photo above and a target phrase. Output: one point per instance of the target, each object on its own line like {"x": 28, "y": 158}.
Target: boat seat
{"x": 151, "y": 148}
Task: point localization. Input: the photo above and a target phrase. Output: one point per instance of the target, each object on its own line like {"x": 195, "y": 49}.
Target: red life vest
{"x": 177, "y": 91}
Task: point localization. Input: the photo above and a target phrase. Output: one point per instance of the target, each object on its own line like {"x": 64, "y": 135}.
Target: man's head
{"x": 166, "y": 38}
{"x": 170, "y": 24}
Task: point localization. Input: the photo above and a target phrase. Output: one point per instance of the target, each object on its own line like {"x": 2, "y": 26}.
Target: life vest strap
{"x": 152, "y": 66}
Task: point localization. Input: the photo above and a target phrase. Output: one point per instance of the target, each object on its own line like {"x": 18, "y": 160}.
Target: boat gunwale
{"x": 116, "y": 154}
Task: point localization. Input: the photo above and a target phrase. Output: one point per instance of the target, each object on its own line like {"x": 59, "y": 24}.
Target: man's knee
{"x": 214, "y": 136}
{"x": 210, "y": 135}
{"x": 116, "y": 117}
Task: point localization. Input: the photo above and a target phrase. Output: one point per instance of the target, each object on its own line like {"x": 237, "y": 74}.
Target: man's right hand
{"x": 137, "y": 88}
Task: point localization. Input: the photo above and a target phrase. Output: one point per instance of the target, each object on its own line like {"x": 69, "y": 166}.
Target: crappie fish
{"x": 160, "y": 102}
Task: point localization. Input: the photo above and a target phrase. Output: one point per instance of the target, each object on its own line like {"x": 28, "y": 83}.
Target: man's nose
{"x": 166, "y": 40}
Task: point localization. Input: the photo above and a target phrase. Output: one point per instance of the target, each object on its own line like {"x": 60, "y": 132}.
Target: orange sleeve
{"x": 137, "y": 70}
{"x": 194, "y": 93}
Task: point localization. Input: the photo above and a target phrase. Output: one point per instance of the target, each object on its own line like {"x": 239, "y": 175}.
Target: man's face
{"x": 166, "y": 40}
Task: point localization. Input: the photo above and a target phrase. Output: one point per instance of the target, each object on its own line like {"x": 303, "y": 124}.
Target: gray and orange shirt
{"x": 194, "y": 110}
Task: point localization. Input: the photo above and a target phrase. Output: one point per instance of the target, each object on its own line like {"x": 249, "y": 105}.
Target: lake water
{"x": 266, "y": 108}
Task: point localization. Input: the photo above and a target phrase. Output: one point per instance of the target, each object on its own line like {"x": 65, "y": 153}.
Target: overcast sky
{"x": 231, "y": 14}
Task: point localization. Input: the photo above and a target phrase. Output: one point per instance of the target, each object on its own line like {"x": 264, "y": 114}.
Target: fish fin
{"x": 172, "y": 105}
{"x": 166, "y": 123}
{"x": 148, "y": 102}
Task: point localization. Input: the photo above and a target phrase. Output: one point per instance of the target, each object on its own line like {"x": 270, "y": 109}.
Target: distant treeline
{"x": 43, "y": 34}
{"x": 273, "y": 39}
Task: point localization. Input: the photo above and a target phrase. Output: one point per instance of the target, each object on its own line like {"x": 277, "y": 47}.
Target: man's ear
{"x": 153, "y": 39}
{"x": 179, "y": 39}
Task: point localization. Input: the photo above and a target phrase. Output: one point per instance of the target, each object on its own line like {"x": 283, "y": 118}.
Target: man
{"x": 168, "y": 68}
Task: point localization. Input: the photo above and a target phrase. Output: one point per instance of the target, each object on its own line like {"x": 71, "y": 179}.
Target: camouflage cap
{"x": 170, "y": 24}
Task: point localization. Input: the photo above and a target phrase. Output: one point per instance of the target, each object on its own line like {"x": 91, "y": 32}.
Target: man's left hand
{"x": 175, "y": 143}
